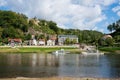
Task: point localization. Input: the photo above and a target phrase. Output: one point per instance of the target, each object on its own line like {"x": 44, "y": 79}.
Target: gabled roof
{"x": 15, "y": 40}
{"x": 41, "y": 39}
{"x": 53, "y": 38}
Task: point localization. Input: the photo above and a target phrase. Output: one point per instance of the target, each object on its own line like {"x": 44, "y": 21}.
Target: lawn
{"x": 110, "y": 49}
{"x": 36, "y": 49}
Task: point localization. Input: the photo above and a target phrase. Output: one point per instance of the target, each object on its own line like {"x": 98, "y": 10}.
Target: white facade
{"x": 41, "y": 42}
{"x": 62, "y": 38}
{"x": 50, "y": 42}
{"x": 34, "y": 42}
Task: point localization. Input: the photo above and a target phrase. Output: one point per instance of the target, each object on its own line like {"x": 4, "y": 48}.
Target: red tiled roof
{"x": 53, "y": 38}
{"x": 41, "y": 39}
{"x": 15, "y": 40}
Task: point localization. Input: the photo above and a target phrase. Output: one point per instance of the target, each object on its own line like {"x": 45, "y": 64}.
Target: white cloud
{"x": 117, "y": 10}
{"x": 118, "y": 13}
{"x": 81, "y": 14}
{"x": 108, "y": 2}
{"x": 2, "y": 3}
{"x": 94, "y": 2}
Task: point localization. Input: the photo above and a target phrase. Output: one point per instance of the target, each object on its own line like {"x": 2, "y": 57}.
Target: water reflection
{"x": 13, "y": 59}
{"x": 28, "y": 65}
{"x": 84, "y": 66}
{"x": 45, "y": 65}
{"x": 114, "y": 65}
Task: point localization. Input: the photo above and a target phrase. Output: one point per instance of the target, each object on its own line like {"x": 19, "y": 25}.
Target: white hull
{"x": 59, "y": 52}
{"x": 88, "y": 53}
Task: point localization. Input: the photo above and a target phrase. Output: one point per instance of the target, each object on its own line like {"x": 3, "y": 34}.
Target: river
{"x": 70, "y": 65}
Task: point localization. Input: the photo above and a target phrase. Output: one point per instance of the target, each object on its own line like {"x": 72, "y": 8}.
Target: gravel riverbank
{"x": 59, "y": 78}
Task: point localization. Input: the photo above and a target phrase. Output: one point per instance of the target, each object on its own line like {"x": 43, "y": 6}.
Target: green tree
{"x": 53, "y": 26}
{"x": 109, "y": 41}
{"x": 106, "y": 42}
{"x": 31, "y": 22}
{"x": 114, "y": 27}
{"x": 16, "y": 20}
{"x": 67, "y": 41}
{"x": 42, "y": 36}
{"x": 28, "y": 37}
{"x": 117, "y": 38}
{"x": 74, "y": 41}
{"x": 102, "y": 42}
{"x": 110, "y": 28}
{"x": 11, "y": 33}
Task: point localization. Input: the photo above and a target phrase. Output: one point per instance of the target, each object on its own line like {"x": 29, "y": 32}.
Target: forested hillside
{"x": 16, "y": 25}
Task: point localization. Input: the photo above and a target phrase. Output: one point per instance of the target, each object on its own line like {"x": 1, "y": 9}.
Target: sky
{"x": 69, "y": 14}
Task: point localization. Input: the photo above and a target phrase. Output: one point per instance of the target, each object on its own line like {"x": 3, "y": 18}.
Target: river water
{"x": 69, "y": 65}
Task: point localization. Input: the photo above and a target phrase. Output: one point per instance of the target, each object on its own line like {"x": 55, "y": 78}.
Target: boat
{"x": 91, "y": 52}
{"x": 59, "y": 52}
{"x": 87, "y": 53}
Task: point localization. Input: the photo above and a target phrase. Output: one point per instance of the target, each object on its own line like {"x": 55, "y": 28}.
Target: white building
{"x": 34, "y": 42}
{"x": 41, "y": 42}
{"x": 50, "y": 42}
{"x": 62, "y": 38}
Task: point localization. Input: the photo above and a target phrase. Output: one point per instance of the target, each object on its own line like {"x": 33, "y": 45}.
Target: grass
{"x": 36, "y": 49}
{"x": 110, "y": 49}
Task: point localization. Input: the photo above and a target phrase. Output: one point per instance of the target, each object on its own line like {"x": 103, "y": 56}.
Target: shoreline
{"x": 38, "y": 49}
{"x": 110, "y": 49}
{"x": 59, "y": 78}
{"x": 49, "y": 49}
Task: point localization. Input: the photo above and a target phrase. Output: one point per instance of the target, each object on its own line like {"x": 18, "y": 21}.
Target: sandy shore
{"x": 58, "y": 78}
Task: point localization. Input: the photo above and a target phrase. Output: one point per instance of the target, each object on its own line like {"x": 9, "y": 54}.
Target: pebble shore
{"x": 58, "y": 78}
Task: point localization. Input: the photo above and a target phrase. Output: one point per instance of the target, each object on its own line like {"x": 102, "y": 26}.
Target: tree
{"x": 53, "y": 26}
{"x": 67, "y": 41}
{"x": 106, "y": 42}
{"x": 31, "y": 22}
{"x": 109, "y": 41}
{"x": 42, "y": 36}
{"x": 102, "y": 42}
{"x": 16, "y": 20}
{"x": 73, "y": 41}
{"x": 11, "y": 32}
{"x": 28, "y": 37}
{"x": 114, "y": 26}
{"x": 117, "y": 38}
{"x": 110, "y": 28}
